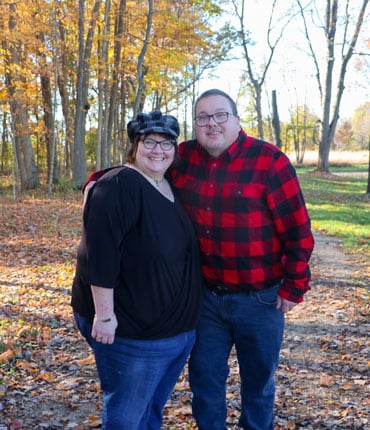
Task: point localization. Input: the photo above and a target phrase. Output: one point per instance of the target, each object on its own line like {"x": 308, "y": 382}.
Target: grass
{"x": 338, "y": 207}
{"x": 359, "y": 168}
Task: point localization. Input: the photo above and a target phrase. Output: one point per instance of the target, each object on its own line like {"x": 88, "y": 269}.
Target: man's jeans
{"x": 137, "y": 377}
{"x": 255, "y": 326}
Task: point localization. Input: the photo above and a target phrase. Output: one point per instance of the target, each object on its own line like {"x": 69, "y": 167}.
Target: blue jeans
{"x": 252, "y": 323}
{"x": 137, "y": 377}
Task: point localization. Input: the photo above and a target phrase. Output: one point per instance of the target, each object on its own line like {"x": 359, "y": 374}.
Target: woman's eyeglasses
{"x": 166, "y": 144}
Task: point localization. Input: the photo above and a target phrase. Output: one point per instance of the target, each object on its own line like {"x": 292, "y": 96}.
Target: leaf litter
{"x": 47, "y": 373}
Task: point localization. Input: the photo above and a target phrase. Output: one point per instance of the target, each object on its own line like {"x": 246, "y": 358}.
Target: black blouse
{"x": 142, "y": 245}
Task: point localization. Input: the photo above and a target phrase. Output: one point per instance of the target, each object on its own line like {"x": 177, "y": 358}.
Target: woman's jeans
{"x": 137, "y": 377}
{"x": 251, "y": 322}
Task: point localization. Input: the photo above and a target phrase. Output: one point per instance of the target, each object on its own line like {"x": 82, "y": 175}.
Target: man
{"x": 245, "y": 201}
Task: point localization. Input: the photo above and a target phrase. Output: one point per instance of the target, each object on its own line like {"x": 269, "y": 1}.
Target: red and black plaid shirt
{"x": 249, "y": 214}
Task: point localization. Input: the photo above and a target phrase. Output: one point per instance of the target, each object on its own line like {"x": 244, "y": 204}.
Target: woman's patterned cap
{"x": 153, "y": 122}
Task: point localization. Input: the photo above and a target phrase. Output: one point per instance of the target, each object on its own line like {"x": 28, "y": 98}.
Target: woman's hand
{"x": 105, "y": 320}
{"x": 103, "y": 329}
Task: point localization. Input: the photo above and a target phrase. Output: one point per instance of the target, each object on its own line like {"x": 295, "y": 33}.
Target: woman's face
{"x": 151, "y": 157}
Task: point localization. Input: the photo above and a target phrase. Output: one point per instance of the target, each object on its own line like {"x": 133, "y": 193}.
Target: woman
{"x": 137, "y": 290}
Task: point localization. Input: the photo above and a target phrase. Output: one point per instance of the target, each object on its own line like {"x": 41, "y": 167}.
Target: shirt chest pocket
{"x": 241, "y": 206}
{"x": 242, "y": 198}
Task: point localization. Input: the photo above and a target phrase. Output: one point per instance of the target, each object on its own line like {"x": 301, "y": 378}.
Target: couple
{"x": 139, "y": 294}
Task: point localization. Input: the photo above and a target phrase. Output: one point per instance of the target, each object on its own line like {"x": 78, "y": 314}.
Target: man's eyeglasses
{"x": 166, "y": 144}
{"x": 218, "y": 118}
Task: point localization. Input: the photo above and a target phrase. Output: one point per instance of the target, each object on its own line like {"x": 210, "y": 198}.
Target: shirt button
{"x": 208, "y": 209}
{"x": 207, "y": 232}
{"x": 210, "y": 185}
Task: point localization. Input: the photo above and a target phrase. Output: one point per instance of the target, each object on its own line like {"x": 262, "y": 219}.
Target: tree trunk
{"x": 325, "y": 142}
{"x": 276, "y": 121}
{"x": 102, "y": 96}
{"x": 5, "y": 147}
{"x": 329, "y": 122}
{"x": 65, "y": 101}
{"x": 256, "y": 77}
{"x": 368, "y": 173}
{"x": 25, "y": 157}
{"x": 47, "y": 102}
{"x": 82, "y": 104}
{"x": 49, "y": 124}
{"x": 112, "y": 114}
{"x": 141, "y": 70}
{"x": 103, "y": 144}
{"x": 258, "y": 106}
{"x": 79, "y": 156}
{"x": 24, "y": 152}
{"x": 122, "y": 121}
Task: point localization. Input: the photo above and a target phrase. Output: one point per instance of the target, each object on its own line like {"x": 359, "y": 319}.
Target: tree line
{"x": 73, "y": 73}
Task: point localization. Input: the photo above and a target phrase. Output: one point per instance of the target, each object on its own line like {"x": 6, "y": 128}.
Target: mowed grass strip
{"x": 338, "y": 205}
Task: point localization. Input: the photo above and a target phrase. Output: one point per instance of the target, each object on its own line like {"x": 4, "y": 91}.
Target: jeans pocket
{"x": 268, "y": 296}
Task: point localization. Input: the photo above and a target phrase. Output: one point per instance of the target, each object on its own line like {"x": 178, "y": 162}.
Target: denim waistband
{"x": 222, "y": 290}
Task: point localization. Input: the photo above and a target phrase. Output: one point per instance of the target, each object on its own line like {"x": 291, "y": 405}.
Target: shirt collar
{"x": 231, "y": 152}
{"x": 234, "y": 149}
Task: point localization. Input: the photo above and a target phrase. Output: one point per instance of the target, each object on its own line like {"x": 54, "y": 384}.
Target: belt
{"x": 223, "y": 290}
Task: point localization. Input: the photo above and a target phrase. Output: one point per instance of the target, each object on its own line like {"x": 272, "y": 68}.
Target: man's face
{"x": 215, "y": 137}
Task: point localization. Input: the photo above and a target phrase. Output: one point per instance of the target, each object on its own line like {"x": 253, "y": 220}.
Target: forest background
{"x": 73, "y": 73}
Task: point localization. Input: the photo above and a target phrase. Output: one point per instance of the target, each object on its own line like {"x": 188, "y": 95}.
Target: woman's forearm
{"x": 103, "y": 301}
{"x": 105, "y": 321}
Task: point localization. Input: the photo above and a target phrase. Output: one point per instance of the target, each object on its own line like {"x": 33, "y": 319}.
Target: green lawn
{"x": 338, "y": 207}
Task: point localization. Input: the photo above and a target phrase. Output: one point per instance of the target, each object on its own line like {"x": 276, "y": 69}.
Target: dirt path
{"x": 49, "y": 381}
{"x": 323, "y": 377}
